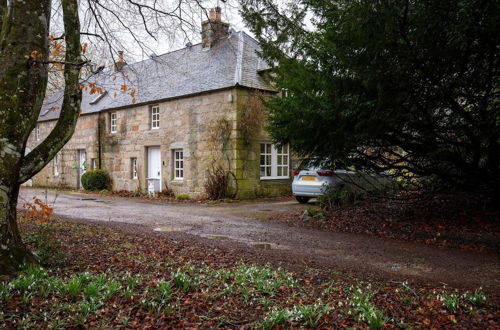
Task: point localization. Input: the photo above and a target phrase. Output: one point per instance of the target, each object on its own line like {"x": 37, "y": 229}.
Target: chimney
{"x": 213, "y": 28}
{"x": 121, "y": 62}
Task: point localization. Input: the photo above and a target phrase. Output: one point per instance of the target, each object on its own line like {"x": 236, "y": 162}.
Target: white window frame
{"x": 178, "y": 164}
{"x": 133, "y": 168}
{"x": 113, "y": 128}
{"x": 37, "y": 132}
{"x": 155, "y": 117}
{"x": 269, "y": 160}
{"x": 56, "y": 165}
{"x": 93, "y": 164}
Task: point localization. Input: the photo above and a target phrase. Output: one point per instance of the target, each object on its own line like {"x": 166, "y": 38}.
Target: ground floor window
{"x": 133, "y": 168}
{"x": 274, "y": 161}
{"x": 93, "y": 164}
{"x": 178, "y": 164}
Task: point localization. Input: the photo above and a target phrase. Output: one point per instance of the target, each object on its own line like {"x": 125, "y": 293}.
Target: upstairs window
{"x": 56, "y": 165}
{"x": 274, "y": 161}
{"x": 155, "y": 117}
{"x": 178, "y": 164}
{"x": 37, "y": 132}
{"x": 112, "y": 122}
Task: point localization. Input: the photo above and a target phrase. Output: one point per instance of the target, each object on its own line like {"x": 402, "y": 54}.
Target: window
{"x": 112, "y": 122}
{"x": 282, "y": 161}
{"x": 133, "y": 168}
{"x": 56, "y": 165}
{"x": 93, "y": 164}
{"x": 37, "y": 132}
{"x": 265, "y": 160}
{"x": 155, "y": 117}
{"x": 178, "y": 164}
{"x": 274, "y": 161}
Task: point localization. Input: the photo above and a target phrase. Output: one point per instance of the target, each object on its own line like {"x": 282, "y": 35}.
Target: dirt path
{"x": 237, "y": 226}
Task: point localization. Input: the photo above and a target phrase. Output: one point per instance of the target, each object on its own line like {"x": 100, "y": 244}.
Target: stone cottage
{"x": 170, "y": 119}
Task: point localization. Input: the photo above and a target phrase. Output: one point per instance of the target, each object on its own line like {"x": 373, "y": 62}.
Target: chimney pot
{"x": 213, "y": 28}
{"x": 218, "y": 13}
{"x": 121, "y": 62}
{"x": 211, "y": 15}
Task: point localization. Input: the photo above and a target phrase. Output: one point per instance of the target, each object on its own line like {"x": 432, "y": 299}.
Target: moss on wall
{"x": 251, "y": 123}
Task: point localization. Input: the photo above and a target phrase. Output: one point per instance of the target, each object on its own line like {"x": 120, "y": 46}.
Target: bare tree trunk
{"x": 13, "y": 252}
{"x": 24, "y": 49}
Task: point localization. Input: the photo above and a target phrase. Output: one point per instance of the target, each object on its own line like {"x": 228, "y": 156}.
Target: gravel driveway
{"x": 242, "y": 226}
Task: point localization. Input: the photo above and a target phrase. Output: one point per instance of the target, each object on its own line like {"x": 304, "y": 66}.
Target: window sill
{"x": 154, "y": 128}
{"x": 274, "y": 178}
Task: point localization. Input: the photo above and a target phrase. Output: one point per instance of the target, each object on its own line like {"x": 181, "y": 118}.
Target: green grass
{"x": 300, "y": 315}
{"x": 365, "y": 311}
{"x": 477, "y": 298}
{"x": 182, "y": 196}
{"x": 184, "y": 289}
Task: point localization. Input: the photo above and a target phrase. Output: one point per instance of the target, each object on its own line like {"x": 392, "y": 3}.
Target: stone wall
{"x": 84, "y": 138}
{"x": 248, "y": 155}
{"x": 185, "y": 123}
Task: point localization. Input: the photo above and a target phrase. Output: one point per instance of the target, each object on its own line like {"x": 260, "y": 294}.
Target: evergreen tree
{"x": 407, "y": 86}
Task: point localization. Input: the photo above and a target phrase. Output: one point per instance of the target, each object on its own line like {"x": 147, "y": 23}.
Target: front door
{"x": 82, "y": 166}
{"x": 154, "y": 165}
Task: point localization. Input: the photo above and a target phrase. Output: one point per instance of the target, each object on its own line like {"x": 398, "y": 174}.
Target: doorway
{"x": 82, "y": 166}
{"x": 154, "y": 167}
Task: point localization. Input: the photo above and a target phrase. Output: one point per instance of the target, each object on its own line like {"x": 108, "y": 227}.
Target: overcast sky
{"x": 170, "y": 35}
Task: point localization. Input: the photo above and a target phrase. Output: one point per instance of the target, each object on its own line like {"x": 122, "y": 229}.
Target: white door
{"x": 82, "y": 166}
{"x": 154, "y": 163}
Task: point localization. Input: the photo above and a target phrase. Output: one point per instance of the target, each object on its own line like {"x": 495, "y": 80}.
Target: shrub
{"x": 96, "y": 180}
{"x": 166, "y": 192}
{"x": 217, "y": 185}
{"x": 340, "y": 195}
{"x": 182, "y": 196}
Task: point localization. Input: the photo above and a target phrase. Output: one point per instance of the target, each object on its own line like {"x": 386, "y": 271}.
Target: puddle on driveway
{"x": 220, "y": 238}
{"x": 263, "y": 246}
{"x": 406, "y": 269}
{"x": 166, "y": 229}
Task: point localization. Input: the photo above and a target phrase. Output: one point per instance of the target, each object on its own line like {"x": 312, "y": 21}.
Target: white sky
{"x": 169, "y": 35}
{"x": 168, "y": 38}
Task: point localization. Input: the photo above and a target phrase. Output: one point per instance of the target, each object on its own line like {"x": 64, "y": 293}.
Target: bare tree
{"x": 30, "y": 48}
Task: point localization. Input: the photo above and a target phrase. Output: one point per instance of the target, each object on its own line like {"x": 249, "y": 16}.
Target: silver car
{"x": 311, "y": 182}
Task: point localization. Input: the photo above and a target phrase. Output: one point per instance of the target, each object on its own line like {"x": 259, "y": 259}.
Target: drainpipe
{"x": 99, "y": 156}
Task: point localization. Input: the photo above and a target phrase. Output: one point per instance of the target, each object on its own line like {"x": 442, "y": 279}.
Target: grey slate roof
{"x": 232, "y": 61}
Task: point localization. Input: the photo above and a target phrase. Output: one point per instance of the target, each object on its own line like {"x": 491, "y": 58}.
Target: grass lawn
{"x": 99, "y": 277}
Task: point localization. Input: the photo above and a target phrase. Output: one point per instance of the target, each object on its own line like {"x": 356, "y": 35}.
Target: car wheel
{"x": 302, "y": 199}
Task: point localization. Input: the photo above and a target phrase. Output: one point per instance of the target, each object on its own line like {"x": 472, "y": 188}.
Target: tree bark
{"x": 24, "y": 51}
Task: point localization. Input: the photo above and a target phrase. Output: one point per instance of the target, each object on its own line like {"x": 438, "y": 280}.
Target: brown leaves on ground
{"x": 445, "y": 220}
{"x": 205, "y": 288}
